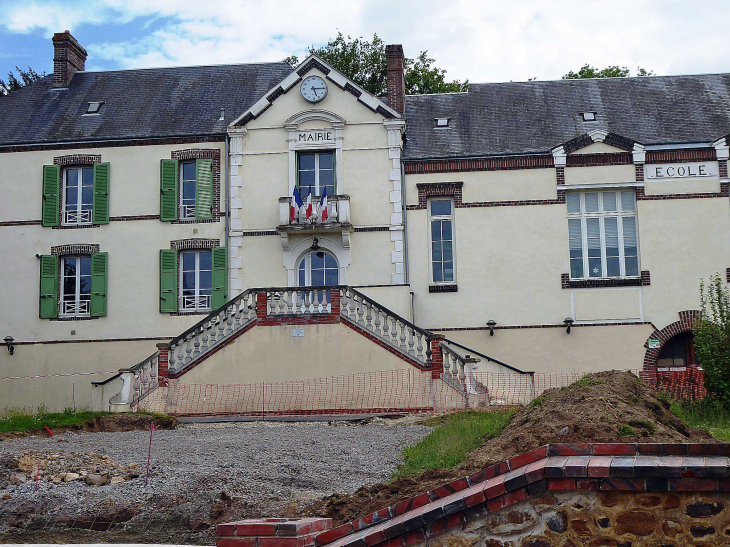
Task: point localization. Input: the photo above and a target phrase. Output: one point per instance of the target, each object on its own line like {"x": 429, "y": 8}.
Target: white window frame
{"x": 80, "y": 308}
{"x": 450, "y": 218}
{"x": 197, "y": 298}
{"x": 307, "y": 261}
{"x": 83, "y": 217}
{"x": 601, "y": 215}
{"x": 317, "y": 153}
{"x": 186, "y": 211}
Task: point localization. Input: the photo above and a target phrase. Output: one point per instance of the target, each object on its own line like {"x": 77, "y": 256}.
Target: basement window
{"x": 588, "y": 116}
{"x": 94, "y": 107}
{"x": 442, "y": 122}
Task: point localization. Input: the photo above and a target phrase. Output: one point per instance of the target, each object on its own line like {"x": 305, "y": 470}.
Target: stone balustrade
{"x": 312, "y": 301}
{"x": 338, "y": 212}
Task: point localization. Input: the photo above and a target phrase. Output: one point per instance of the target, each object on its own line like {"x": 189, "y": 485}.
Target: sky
{"x": 482, "y": 41}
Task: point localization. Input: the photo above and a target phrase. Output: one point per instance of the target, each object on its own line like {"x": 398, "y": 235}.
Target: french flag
{"x": 296, "y": 204}
{"x": 309, "y": 205}
{"x": 323, "y": 207}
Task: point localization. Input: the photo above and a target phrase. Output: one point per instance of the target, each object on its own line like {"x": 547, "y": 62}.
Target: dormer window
{"x": 588, "y": 116}
{"x": 442, "y": 122}
{"x": 94, "y": 107}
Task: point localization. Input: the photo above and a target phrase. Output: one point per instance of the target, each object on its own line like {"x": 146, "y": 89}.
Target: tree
{"x": 14, "y": 84}
{"x": 614, "y": 71}
{"x": 364, "y": 63}
{"x": 712, "y": 338}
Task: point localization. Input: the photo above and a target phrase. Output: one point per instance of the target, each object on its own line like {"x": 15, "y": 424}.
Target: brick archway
{"x": 687, "y": 318}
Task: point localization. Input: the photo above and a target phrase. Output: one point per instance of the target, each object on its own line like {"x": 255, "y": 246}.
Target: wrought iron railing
{"x": 193, "y": 302}
{"x": 75, "y": 307}
{"x": 74, "y": 216}
{"x": 187, "y": 212}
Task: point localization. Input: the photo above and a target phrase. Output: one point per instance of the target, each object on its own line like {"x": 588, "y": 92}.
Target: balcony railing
{"x": 73, "y": 307}
{"x": 338, "y": 213}
{"x": 192, "y": 302}
{"x": 298, "y": 302}
{"x": 187, "y": 212}
{"x": 77, "y": 217}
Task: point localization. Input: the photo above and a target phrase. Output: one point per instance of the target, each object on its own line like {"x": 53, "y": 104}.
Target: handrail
{"x": 491, "y": 359}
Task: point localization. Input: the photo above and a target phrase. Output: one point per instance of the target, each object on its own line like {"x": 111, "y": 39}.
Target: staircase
{"x": 447, "y": 361}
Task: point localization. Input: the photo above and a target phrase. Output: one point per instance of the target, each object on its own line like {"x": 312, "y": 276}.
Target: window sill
{"x": 194, "y": 220}
{"x": 602, "y": 282}
{"x": 191, "y": 312}
{"x": 73, "y": 318}
{"x": 75, "y": 226}
{"x": 443, "y": 288}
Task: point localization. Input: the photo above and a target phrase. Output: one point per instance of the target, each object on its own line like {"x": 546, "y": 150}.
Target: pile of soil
{"x": 127, "y": 421}
{"x": 605, "y": 407}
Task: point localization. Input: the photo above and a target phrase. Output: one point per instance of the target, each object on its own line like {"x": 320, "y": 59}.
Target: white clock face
{"x": 313, "y": 89}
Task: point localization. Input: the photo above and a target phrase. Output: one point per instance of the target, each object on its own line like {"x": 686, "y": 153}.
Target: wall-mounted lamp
{"x": 568, "y": 321}
{"x": 491, "y": 324}
{"x": 9, "y": 343}
{"x": 315, "y": 244}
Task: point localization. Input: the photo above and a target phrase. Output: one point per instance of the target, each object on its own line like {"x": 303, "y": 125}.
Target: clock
{"x": 313, "y": 89}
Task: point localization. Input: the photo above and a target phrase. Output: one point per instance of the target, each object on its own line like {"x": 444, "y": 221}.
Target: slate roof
{"x": 532, "y": 117}
{"x": 146, "y": 103}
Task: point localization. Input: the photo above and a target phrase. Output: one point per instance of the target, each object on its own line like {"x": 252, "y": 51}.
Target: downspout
{"x": 228, "y": 198}
{"x": 405, "y": 236}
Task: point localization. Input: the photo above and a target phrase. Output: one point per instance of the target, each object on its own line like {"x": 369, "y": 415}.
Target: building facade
{"x": 554, "y": 226}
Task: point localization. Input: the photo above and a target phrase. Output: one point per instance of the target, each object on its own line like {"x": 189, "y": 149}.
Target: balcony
{"x": 338, "y": 216}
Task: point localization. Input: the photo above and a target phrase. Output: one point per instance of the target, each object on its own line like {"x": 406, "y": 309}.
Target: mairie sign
{"x": 665, "y": 171}
{"x": 316, "y": 136}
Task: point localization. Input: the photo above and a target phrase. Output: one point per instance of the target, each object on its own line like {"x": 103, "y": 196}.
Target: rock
{"x": 71, "y": 477}
{"x": 17, "y": 479}
{"x": 671, "y": 528}
{"x": 604, "y": 522}
{"x": 672, "y": 501}
{"x": 639, "y": 523}
{"x": 563, "y": 431}
{"x": 701, "y": 509}
{"x": 580, "y": 527}
{"x": 701, "y": 531}
{"x": 558, "y": 522}
{"x": 648, "y": 501}
{"x": 7, "y": 496}
{"x": 97, "y": 480}
{"x": 117, "y": 480}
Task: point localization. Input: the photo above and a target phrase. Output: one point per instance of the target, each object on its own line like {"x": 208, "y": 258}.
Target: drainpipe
{"x": 406, "y": 268}
{"x": 228, "y": 197}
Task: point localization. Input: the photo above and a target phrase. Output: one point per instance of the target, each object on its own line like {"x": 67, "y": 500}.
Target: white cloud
{"x": 479, "y": 40}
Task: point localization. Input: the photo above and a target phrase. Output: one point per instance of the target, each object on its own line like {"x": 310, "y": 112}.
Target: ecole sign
{"x": 681, "y": 170}
{"x": 316, "y": 136}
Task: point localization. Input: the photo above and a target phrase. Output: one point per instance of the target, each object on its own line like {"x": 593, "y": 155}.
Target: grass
{"x": 707, "y": 414}
{"x": 626, "y": 431}
{"x": 24, "y": 420}
{"x": 454, "y": 437}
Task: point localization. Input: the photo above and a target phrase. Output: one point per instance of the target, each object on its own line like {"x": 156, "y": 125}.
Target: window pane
{"x": 72, "y": 177}
{"x": 594, "y": 266}
{"x": 576, "y": 268}
{"x": 446, "y": 246}
{"x": 574, "y": 228}
{"x": 611, "y": 226}
{"x": 573, "y": 201}
{"x": 87, "y": 177}
{"x": 85, "y": 284}
{"x": 612, "y": 264}
{"x": 206, "y": 281}
{"x": 594, "y": 238}
{"x": 317, "y": 260}
{"x": 69, "y": 266}
{"x": 591, "y": 202}
{"x": 331, "y": 277}
{"x": 632, "y": 266}
{"x": 302, "y": 273}
{"x": 326, "y": 178}
{"x": 306, "y": 161}
{"x": 627, "y": 201}
{"x": 87, "y": 195}
{"x": 188, "y": 261}
{"x": 188, "y": 191}
{"x": 306, "y": 183}
{"x": 188, "y": 280}
{"x": 85, "y": 265}
{"x": 205, "y": 261}
{"x": 317, "y": 278}
{"x": 436, "y": 252}
{"x": 448, "y": 271}
{"x": 69, "y": 287}
{"x": 435, "y": 230}
{"x": 446, "y": 229}
{"x": 72, "y": 193}
{"x": 629, "y": 225}
{"x": 188, "y": 171}
{"x": 437, "y": 275}
{"x": 329, "y": 261}
{"x": 325, "y": 160}
{"x": 441, "y": 207}
{"x": 609, "y": 201}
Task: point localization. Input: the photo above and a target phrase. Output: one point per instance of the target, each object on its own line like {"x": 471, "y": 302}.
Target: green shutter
{"x": 168, "y": 281}
{"x": 168, "y": 190}
{"x": 99, "y": 262}
{"x": 220, "y": 277}
{"x": 49, "y": 287}
{"x": 203, "y": 189}
{"x": 101, "y": 194}
{"x": 51, "y": 194}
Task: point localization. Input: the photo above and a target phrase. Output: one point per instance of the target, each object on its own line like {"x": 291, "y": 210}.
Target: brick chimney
{"x": 396, "y": 79}
{"x": 68, "y": 58}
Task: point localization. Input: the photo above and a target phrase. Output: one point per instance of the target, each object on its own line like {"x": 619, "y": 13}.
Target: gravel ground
{"x": 264, "y": 468}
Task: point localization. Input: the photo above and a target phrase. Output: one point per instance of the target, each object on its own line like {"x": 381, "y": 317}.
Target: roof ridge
{"x": 183, "y": 66}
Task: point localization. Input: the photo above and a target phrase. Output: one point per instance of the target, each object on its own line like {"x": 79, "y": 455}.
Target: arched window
{"x": 679, "y": 351}
{"x": 317, "y": 269}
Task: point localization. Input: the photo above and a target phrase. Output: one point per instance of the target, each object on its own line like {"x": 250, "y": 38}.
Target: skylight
{"x": 588, "y": 116}
{"x": 442, "y": 122}
{"x": 94, "y": 107}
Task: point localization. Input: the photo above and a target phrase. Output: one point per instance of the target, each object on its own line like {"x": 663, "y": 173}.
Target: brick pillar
{"x": 335, "y": 302}
{"x": 272, "y": 532}
{"x": 163, "y": 362}
{"x": 261, "y": 305}
{"x": 437, "y": 358}
{"x": 396, "y": 79}
{"x": 68, "y": 58}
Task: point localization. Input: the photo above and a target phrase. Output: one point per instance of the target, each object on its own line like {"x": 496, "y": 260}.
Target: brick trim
{"x": 727, "y": 275}
{"x": 507, "y": 203}
{"x": 642, "y": 281}
{"x": 206, "y": 154}
{"x": 686, "y": 321}
{"x": 560, "y": 175}
{"x": 443, "y": 288}
{"x": 438, "y": 189}
{"x": 723, "y": 193}
{"x": 681, "y": 155}
{"x": 372, "y": 229}
{"x": 639, "y": 170}
{"x": 722, "y": 168}
{"x": 590, "y": 160}
{"x": 77, "y": 159}
{"x": 195, "y": 243}
{"x": 455, "y": 165}
{"x": 581, "y": 141}
{"x": 260, "y": 233}
{"x": 75, "y": 249}
{"x": 34, "y": 147}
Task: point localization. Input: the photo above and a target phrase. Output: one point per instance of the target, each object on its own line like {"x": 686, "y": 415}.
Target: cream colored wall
{"x": 597, "y": 148}
{"x": 600, "y": 174}
{"x": 272, "y": 354}
{"x": 552, "y": 350}
{"x": 681, "y": 186}
{"x": 397, "y": 298}
{"x": 371, "y": 259}
{"x": 607, "y": 304}
{"x": 47, "y": 359}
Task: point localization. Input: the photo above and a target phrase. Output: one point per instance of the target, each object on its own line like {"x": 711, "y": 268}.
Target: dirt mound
{"x": 127, "y": 421}
{"x": 604, "y": 407}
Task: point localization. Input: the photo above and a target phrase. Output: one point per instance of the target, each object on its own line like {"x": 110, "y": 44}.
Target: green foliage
{"x": 537, "y": 401}
{"x": 707, "y": 414}
{"x": 24, "y": 420}
{"x": 448, "y": 444}
{"x": 648, "y": 426}
{"x": 626, "y": 431}
{"x": 364, "y": 63}
{"x": 588, "y": 380}
{"x": 712, "y": 338}
{"x": 614, "y": 71}
{"x": 14, "y": 84}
